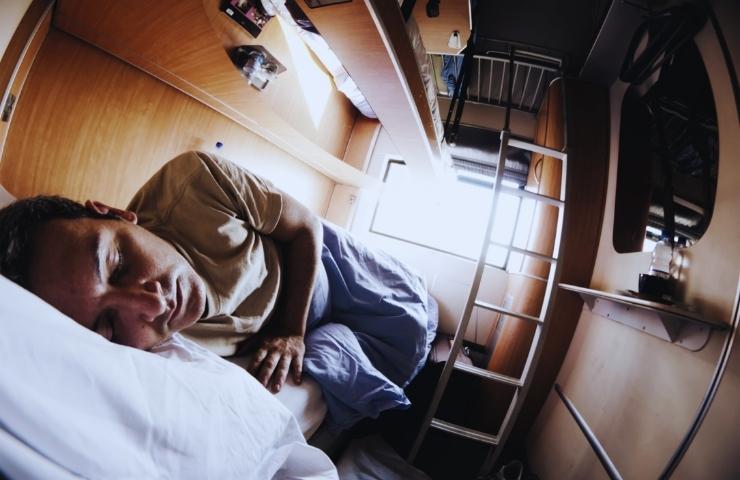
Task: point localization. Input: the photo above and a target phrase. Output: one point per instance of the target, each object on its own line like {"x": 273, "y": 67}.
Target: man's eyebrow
{"x": 98, "y": 267}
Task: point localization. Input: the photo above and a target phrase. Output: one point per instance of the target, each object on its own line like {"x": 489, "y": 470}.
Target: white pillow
{"x": 102, "y": 410}
{"x": 5, "y": 197}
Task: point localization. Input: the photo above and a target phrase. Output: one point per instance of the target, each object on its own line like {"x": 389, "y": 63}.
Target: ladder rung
{"x": 527, "y": 275}
{"x": 533, "y": 147}
{"x": 464, "y": 432}
{"x": 506, "y": 311}
{"x": 487, "y": 374}
{"x": 534, "y": 196}
{"x": 530, "y": 253}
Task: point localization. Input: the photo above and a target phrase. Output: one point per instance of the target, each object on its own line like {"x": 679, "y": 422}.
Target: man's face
{"x": 116, "y": 279}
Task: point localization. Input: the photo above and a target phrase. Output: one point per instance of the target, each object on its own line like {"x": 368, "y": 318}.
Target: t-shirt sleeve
{"x": 212, "y": 182}
{"x": 257, "y": 200}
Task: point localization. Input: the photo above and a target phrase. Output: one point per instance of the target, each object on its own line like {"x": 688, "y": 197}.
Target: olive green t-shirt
{"x": 219, "y": 217}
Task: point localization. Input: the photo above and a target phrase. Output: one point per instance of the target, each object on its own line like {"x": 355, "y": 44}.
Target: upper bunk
{"x": 187, "y": 45}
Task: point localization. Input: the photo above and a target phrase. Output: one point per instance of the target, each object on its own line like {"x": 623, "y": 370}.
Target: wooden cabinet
{"x": 186, "y": 44}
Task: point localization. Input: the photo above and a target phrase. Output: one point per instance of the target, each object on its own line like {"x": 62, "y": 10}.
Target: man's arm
{"x": 281, "y": 346}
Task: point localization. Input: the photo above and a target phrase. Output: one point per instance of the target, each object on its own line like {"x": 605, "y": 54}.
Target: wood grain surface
{"x": 185, "y": 44}
{"x": 91, "y": 126}
{"x": 370, "y": 39}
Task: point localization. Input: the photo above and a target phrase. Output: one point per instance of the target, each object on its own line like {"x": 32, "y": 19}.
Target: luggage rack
{"x": 531, "y": 76}
{"x": 521, "y": 384}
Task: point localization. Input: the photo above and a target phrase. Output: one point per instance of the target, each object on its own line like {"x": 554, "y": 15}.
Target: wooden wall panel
{"x": 19, "y": 57}
{"x": 587, "y": 119}
{"x": 361, "y": 143}
{"x": 91, "y": 126}
{"x": 639, "y": 393}
{"x": 14, "y": 50}
{"x": 185, "y": 44}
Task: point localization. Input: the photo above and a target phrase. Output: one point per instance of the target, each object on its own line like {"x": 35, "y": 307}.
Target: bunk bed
{"x": 183, "y": 45}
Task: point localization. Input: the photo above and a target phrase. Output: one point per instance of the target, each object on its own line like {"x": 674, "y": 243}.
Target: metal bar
{"x": 513, "y": 232}
{"x": 533, "y": 196}
{"x": 701, "y": 413}
{"x": 523, "y": 63}
{"x": 506, "y": 311}
{"x": 606, "y": 462}
{"x": 478, "y": 89}
{"x": 487, "y": 374}
{"x": 472, "y": 295}
{"x": 467, "y": 68}
{"x": 524, "y": 90}
{"x": 510, "y": 90}
{"x": 501, "y": 84}
{"x": 528, "y": 253}
{"x": 464, "y": 432}
{"x": 509, "y": 413}
{"x": 527, "y": 275}
{"x": 537, "y": 89}
{"x": 490, "y": 80}
{"x": 533, "y": 147}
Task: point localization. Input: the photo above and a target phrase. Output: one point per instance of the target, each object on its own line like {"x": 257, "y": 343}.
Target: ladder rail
{"x": 469, "y": 305}
{"x": 548, "y": 307}
{"x": 533, "y": 355}
{"x": 510, "y": 243}
{"x": 536, "y": 345}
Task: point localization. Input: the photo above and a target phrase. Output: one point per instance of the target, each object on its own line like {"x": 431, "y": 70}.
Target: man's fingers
{"x": 268, "y": 367}
{"x": 281, "y": 373}
{"x": 257, "y": 359}
{"x": 297, "y": 364}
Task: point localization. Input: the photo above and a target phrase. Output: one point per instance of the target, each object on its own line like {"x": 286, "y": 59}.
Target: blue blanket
{"x": 370, "y": 328}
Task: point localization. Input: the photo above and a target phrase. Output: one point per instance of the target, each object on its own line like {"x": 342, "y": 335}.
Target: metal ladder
{"x": 542, "y": 321}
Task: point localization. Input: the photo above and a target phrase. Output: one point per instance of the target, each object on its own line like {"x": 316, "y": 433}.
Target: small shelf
{"x": 671, "y": 323}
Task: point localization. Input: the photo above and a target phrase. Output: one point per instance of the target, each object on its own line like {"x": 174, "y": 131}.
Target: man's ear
{"x": 103, "y": 209}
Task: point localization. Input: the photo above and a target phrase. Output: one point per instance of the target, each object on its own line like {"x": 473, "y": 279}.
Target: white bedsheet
{"x": 100, "y": 410}
{"x": 305, "y": 401}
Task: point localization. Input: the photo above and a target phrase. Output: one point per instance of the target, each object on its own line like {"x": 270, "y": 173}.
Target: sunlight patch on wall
{"x": 316, "y": 86}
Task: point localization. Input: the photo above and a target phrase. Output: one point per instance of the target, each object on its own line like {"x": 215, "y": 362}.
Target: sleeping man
{"x": 219, "y": 254}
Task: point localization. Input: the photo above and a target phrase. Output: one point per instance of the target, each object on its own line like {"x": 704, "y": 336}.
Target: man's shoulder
{"x": 169, "y": 183}
{"x": 189, "y": 163}
{"x": 212, "y": 167}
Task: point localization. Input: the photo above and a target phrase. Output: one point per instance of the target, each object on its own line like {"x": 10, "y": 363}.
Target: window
{"x": 452, "y": 217}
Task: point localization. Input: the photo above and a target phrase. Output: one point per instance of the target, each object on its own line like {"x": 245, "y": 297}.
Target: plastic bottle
{"x": 662, "y": 262}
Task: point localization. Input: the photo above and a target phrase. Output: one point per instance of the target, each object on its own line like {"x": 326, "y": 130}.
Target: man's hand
{"x": 274, "y": 357}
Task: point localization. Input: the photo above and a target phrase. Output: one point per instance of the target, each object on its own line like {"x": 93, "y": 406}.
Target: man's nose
{"x": 145, "y": 301}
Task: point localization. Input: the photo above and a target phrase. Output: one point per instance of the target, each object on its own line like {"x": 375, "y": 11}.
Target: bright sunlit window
{"x": 452, "y": 216}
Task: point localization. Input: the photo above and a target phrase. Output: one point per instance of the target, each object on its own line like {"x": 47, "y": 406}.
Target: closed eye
{"x": 118, "y": 270}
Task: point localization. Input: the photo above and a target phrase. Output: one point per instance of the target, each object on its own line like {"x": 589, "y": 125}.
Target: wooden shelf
{"x": 672, "y": 323}
{"x": 369, "y": 37}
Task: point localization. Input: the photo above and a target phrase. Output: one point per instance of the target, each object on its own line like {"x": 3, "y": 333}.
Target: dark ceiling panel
{"x": 564, "y": 27}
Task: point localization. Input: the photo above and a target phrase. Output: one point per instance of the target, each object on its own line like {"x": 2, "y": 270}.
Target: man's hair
{"x": 20, "y": 222}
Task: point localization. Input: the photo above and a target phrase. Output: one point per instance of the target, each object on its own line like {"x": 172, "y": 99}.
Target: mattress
{"x": 304, "y": 401}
